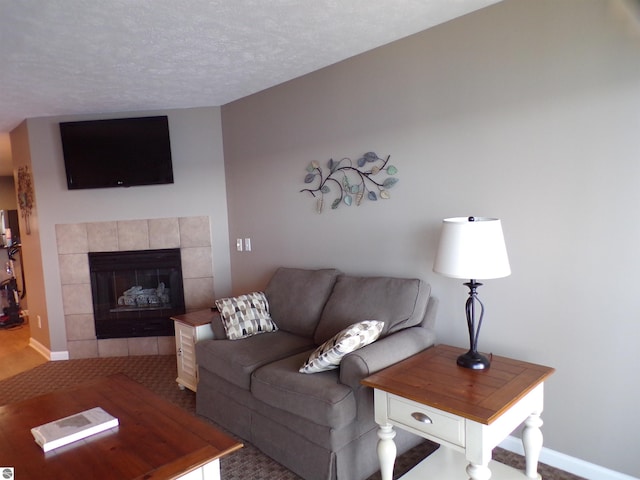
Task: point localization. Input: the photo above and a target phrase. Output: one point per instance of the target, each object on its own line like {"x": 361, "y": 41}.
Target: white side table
{"x": 190, "y": 328}
{"x": 468, "y": 412}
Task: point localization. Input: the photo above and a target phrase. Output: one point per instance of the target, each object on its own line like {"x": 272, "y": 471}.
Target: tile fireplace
{"x": 190, "y": 236}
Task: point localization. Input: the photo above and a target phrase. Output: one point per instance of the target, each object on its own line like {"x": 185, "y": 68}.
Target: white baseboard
{"x": 63, "y": 355}
{"x": 46, "y": 353}
{"x": 568, "y": 464}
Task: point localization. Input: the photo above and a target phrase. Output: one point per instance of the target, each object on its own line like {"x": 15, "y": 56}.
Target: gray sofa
{"x": 321, "y": 426}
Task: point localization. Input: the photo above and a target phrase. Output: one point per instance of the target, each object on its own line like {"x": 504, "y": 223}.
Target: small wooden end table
{"x": 468, "y": 412}
{"x": 190, "y": 328}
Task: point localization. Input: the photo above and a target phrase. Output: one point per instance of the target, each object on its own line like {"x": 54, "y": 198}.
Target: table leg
{"x": 532, "y": 442}
{"x": 478, "y": 472}
{"x": 386, "y": 451}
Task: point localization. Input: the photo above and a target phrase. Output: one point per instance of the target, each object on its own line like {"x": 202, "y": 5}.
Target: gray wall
{"x": 528, "y": 111}
{"x": 7, "y": 194}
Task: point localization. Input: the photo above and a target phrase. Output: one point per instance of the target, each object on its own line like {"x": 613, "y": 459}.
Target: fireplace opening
{"x": 136, "y": 292}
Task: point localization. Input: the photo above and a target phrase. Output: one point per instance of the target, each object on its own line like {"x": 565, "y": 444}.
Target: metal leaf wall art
{"x": 350, "y": 184}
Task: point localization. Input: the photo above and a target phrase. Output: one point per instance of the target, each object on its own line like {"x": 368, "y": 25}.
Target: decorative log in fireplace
{"x": 136, "y": 292}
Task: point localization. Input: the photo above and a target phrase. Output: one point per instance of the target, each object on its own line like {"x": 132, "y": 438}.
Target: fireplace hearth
{"x": 136, "y": 292}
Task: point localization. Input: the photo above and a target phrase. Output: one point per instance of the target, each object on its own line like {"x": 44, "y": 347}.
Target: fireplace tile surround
{"x": 74, "y": 241}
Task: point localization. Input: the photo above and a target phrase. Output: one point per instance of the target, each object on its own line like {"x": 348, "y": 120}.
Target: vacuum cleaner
{"x": 10, "y": 296}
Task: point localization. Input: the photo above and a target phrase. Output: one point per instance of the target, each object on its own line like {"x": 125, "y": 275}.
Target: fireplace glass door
{"x": 136, "y": 292}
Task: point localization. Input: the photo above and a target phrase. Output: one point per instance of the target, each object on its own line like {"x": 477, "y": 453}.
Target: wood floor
{"x": 16, "y": 355}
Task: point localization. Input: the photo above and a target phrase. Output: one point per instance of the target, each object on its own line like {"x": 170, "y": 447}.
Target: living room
{"x": 526, "y": 111}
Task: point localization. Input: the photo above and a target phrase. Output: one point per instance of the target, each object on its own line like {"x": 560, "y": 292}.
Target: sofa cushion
{"x": 320, "y": 398}
{"x": 245, "y": 315}
{"x": 328, "y": 355}
{"x": 235, "y": 360}
{"x": 297, "y": 296}
{"x": 398, "y": 302}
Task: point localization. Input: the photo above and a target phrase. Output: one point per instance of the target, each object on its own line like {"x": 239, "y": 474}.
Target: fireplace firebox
{"x": 136, "y": 292}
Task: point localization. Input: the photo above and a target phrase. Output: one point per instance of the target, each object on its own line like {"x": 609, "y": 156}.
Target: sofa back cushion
{"x": 398, "y": 302}
{"x": 297, "y": 296}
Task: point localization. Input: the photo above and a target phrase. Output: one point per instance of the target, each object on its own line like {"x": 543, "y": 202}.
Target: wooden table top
{"x": 155, "y": 439}
{"x": 197, "y": 318}
{"x": 433, "y": 378}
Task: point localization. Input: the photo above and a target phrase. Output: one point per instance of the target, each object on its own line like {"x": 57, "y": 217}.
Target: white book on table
{"x": 73, "y": 428}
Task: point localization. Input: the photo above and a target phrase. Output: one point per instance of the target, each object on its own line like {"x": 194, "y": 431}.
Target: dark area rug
{"x": 158, "y": 374}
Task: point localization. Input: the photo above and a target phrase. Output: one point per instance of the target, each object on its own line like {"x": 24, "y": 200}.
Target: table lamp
{"x": 473, "y": 248}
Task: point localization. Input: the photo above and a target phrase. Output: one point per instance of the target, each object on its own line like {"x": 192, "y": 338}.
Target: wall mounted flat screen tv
{"x": 117, "y": 152}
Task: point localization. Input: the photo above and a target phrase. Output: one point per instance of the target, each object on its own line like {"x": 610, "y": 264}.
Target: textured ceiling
{"x": 89, "y": 56}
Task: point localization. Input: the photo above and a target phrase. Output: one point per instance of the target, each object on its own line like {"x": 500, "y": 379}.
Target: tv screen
{"x": 117, "y": 153}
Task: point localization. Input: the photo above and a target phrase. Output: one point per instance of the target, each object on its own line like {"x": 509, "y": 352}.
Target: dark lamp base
{"x": 473, "y": 360}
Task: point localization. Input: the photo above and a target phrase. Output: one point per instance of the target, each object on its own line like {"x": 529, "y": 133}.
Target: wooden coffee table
{"x": 155, "y": 439}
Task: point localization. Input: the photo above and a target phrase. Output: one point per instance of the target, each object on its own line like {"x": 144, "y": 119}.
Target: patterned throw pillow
{"x": 245, "y": 315}
{"x": 328, "y": 355}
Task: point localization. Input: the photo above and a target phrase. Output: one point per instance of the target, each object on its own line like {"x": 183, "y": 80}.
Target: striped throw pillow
{"x": 328, "y": 355}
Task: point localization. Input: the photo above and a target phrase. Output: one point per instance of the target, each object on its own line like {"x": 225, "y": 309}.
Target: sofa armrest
{"x": 219, "y": 332}
{"x": 384, "y": 353}
{"x": 429, "y": 320}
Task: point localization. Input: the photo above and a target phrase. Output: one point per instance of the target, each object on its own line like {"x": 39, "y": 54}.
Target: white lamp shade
{"x": 472, "y": 249}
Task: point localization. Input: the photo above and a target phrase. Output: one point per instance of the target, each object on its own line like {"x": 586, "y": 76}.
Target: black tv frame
{"x": 117, "y": 152}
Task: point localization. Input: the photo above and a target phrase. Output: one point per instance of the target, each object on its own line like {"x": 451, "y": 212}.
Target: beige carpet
{"x": 158, "y": 374}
